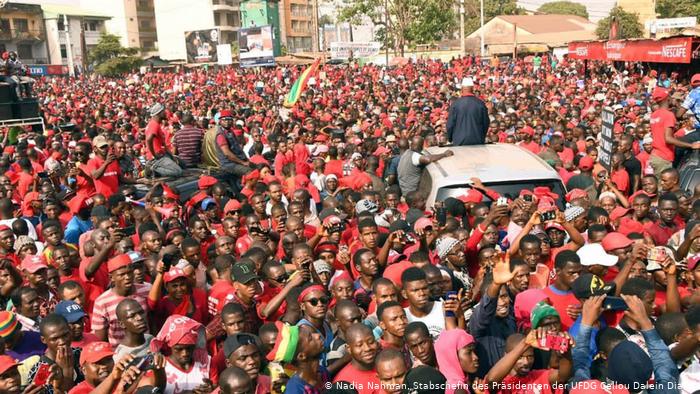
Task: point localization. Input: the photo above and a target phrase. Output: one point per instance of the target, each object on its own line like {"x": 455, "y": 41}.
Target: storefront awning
{"x": 668, "y": 50}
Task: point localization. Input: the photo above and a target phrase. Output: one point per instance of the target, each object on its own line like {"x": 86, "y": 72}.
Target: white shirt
{"x": 435, "y": 320}
{"x": 179, "y": 381}
{"x": 690, "y": 378}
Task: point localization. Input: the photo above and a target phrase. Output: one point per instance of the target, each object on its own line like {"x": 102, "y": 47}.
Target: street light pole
{"x": 483, "y": 51}
{"x": 461, "y": 27}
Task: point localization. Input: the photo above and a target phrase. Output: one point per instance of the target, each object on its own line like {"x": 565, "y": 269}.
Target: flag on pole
{"x": 300, "y": 84}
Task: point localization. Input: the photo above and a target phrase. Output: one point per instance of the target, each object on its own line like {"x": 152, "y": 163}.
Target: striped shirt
{"x": 104, "y": 313}
{"x": 188, "y": 142}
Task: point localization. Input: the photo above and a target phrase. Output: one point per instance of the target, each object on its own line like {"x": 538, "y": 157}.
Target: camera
{"x": 168, "y": 261}
{"x": 547, "y": 216}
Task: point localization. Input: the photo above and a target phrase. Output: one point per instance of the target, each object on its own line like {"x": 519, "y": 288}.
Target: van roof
{"x": 490, "y": 163}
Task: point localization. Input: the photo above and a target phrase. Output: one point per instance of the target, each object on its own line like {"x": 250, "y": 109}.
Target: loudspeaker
{"x": 26, "y": 109}
{"x": 5, "y": 93}
{"x": 6, "y": 111}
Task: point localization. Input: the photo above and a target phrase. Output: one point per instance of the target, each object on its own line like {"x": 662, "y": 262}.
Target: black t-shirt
{"x": 633, "y": 167}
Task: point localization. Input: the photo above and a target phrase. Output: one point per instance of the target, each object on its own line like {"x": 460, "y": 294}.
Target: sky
{"x": 597, "y": 9}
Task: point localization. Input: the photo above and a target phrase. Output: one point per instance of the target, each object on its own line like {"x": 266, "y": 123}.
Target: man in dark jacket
{"x": 468, "y": 120}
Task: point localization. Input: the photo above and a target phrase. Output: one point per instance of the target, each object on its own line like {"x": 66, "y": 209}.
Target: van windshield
{"x": 510, "y": 190}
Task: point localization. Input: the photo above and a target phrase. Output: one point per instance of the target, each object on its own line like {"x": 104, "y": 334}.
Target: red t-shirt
{"x": 218, "y": 294}
{"x": 535, "y": 382}
{"x": 660, "y": 120}
{"x": 365, "y": 381}
{"x": 108, "y": 183}
{"x": 268, "y": 294}
{"x": 99, "y": 279}
{"x": 158, "y": 134}
{"x": 560, "y": 301}
{"x": 83, "y": 388}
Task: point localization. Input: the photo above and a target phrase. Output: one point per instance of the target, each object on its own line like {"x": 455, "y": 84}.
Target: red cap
{"x": 544, "y": 191}
{"x": 168, "y": 192}
{"x": 95, "y": 351}
{"x": 693, "y": 261}
{"x": 7, "y": 362}
{"x": 614, "y": 241}
{"x": 232, "y": 205}
{"x": 628, "y": 226}
{"x": 422, "y": 223}
{"x": 206, "y": 181}
{"x": 255, "y": 174}
{"x": 528, "y": 130}
{"x": 321, "y": 138}
{"x": 393, "y": 271}
{"x": 555, "y": 225}
{"x": 586, "y": 163}
{"x": 331, "y": 220}
{"x": 619, "y": 212}
{"x": 33, "y": 263}
{"x": 659, "y": 94}
{"x": 575, "y": 194}
{"x": 119, "y": 261}
{"x": 695, "y": 80}
{"x": 4, "y": 227}
{"x": 226, "y": 114}
{"x": 173, "y": 274}
{"x": 471, "y": 196}
{"x": 381, "y": 151}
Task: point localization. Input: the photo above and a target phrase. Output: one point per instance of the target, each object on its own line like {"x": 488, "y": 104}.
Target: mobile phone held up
{"x": 42, "y": 375}
{"x": 448, "y": 295}
{"x": 556, "y": 343}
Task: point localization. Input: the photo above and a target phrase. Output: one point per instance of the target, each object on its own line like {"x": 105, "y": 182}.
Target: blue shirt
{"x": 692, "y": 103}
{"x": 297, "y": 385}
{"x": 593, "y": 347}
{"x": 75, "y": 228}
{"x": 328, "y": 338}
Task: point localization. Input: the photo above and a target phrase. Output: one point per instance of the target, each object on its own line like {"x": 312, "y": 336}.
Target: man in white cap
{"x": 468, "y": 120}
{"x": 160, "y": 160}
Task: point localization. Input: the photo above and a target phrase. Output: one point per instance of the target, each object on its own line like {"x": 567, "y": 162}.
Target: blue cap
{"x": 70, "y": 310}
{"x": 207, "y": 202}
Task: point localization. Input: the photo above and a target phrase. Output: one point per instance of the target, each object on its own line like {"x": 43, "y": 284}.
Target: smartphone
{"x": 168, "y": 261}
{"x": 527, "y": 197}
{"x": 129, "y": 231}
{"x": 502, "y": 201}
{"x": 657, "y": 253}
{"x": 42, "y": 375}
{"x": 547, "y": 216}
{"x": 555, "y": 342}
{"x": 142, "y": 363}
{"x": 442, "y": 216}
{"x": 448, "y": 295}
{"x": 43, "y": 175}
{"x": 611, "y": 303}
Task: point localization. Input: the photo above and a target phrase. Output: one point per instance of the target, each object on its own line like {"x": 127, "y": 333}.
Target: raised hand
{"x": 501, "y": 271}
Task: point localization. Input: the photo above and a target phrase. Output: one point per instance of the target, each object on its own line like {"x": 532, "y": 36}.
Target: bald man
{"x": 235, "y": 380}
{"x": 363, "y": 350}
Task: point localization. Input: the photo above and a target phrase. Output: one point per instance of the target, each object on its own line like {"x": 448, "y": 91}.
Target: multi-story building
{"x": 84, "y": 30}
{"x": 298, "y": 25}
{"x": 175, "y": 17}
{"x": 134, "y": 21}
{"x": 22, "y": 30}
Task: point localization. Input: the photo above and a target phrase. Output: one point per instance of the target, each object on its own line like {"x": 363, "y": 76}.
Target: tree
{"x": 411, "y": 22}
{"x": 492, "y": 8}
{"x": 111, "y": 59}
{"x": 564, "y": 8}
{"x": 325, "y": 20}
{"x": 677, "y": 8}
{"x": 628, "y": 25}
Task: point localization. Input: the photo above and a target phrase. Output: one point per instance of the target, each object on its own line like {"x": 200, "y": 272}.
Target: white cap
{"x": 617, "y": 107}
{"x": 594, "y": 254}
{"x": 647, "y": 139}
{"x": 599, "y": 97}
{"x": 467, "y": 82}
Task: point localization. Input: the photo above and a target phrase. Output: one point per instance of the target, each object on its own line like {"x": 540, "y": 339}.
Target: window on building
{"x": 144, "y": 4}
{"x": 145, "y": 24}
{"x": 21, "y": 25}
{"x": 147, "y": 45}
{"x": 4, "y": 26}
{"x": 24, "y": 51}
{"x": 217, "y": 19}
{"x": 90, "y": 26}
{"x": 64, "y": 52}
{"x": 59, "y": 23}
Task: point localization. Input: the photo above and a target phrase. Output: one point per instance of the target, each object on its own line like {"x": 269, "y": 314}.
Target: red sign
{"x": 669, "y": 50}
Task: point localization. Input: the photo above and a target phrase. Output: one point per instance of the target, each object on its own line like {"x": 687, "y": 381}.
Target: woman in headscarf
{"x": 456, "y": 357}
{"x": 187, "y": 362}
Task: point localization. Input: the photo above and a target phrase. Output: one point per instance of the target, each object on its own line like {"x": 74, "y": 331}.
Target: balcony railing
{"x": 14, "y": 34}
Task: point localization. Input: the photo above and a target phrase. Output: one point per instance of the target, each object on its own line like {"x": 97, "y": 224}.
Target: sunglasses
{"x": 314, "y": 301}
{"x": 281, "y": 278}
{"x": 232, "y": 212}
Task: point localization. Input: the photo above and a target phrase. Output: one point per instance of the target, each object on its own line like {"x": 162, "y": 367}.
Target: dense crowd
{"x": 308, "y": 261}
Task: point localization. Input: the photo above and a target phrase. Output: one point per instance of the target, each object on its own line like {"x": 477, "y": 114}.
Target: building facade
{"x": 175, "y": 17}
{"x": 134, "y": 21}
{"x": 22, "y": 30}
{"x": 298, "y": 23}
{"x": 84, "y": 30}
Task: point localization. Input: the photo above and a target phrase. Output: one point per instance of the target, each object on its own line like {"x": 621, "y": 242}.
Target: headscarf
{"x": 177, "y": 330}
{"x": 446, "y": 348}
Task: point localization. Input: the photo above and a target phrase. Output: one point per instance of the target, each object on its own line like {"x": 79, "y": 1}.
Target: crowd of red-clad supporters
{"x": 311, "y": 262}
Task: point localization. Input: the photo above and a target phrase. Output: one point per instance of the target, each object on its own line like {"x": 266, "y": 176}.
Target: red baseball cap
{"x": 173, "y": 274}
{"x": 693, "y": 261}
{"x": 206, "y": 181}
{"x": 586, "y": 163}
{"x": 575, "y": 194}
{"x": 628, "y": 226}
{"x": 232, "y": 205}
{"x": 471, "y": 196}
{"x": 659, "y": 94}
{"x": 7, "y": 362}
{"x": 95, "y": 351}
{"x": 422, "y": 223}
{"x": 619, "y": 212}
{"x": 615, "y": 240}
{"x": 119, "y": 261}
{"x": 33, "y": 263}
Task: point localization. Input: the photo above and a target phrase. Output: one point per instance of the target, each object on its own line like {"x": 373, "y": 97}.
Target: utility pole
{"x": 386, "y": 31}
{"x": 483, "y": 51}
{"x": 461, "y": 27}
{"x": 69, "y": 50}
{"x": 317, "y": 28}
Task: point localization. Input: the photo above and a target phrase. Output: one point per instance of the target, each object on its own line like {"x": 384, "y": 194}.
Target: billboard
{"x": 256, "y": 47}
{"x": 342, "y": 50}
{"x": 668, "y": 50}
{"x": 201, "y": 45}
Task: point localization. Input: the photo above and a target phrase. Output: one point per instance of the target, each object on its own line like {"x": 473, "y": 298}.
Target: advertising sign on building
{"x": 201, "y": 45}
{"x": 342, "y": 50}
{"x": 256, "y": 47}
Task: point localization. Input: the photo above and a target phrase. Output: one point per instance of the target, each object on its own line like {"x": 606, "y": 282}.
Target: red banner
{"x": 669, "y": 50}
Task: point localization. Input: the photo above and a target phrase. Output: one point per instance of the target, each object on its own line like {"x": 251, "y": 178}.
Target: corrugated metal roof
{"x": 62, "y": 9}
{"x": 537, "y": 24}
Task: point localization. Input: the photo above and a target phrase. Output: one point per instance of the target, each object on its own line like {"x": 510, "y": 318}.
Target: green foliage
{"x": 628, "y": 25}
{"x": 111, "y": 59}
{"x": 677, "y": 8}
{"x": 492, "y": 8}
{"x": 564, "y": 8}
{"x": 325, "y": 20}
{"x": 411, "y": 22}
